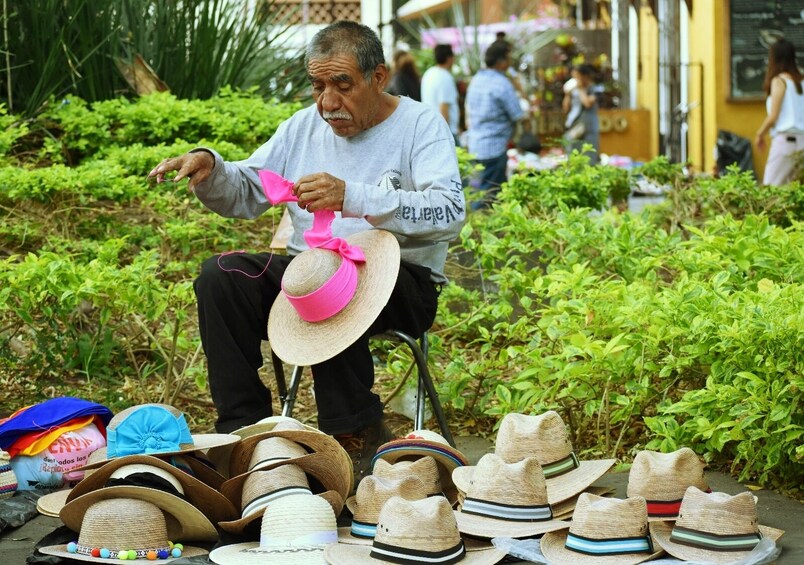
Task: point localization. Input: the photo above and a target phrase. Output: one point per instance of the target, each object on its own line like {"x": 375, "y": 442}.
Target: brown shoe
{"x": 362, "y": 446}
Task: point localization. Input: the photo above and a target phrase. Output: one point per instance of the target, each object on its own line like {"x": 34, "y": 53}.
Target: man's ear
{"x": 381, "y": 76}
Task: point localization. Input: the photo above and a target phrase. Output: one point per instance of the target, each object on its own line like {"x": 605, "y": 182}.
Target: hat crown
{"x": 274, "y": 449}
{"x": 427, "y": 524}
{"x": 424, "y": 468}
{"x": 520, "y": 483}
{"x": 126, "y": 471}
{"x": 665, "y": 476}
{"x": 373, "y": 492}
{"x": 718, "y": 512}
{"x": 260, "y": 483}
{"x": 298, "y": 520}
{"x": 123, "y": 523}
{"x": 597, "y": 518}
{"x": 309, "y": 270}
{"x": 543, "y": 436}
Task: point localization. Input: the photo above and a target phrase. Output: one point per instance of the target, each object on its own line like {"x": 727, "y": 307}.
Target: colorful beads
{"x": 72, "y": 547}
{"x": 163, "y": 554}
{"x": 105, "y": 553}
{"x": 175, "y": 552}
{"x": 95, "y": 552}
{"x": 151, "y": 555}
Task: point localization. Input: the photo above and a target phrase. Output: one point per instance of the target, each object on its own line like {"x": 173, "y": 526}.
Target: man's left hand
{"x": 320, "y": 191}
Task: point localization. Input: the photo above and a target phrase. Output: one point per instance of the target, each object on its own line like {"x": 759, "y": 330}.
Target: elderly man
{"x": 378, "y": 161}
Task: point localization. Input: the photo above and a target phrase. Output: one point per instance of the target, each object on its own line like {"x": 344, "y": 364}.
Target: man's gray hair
{"x": 348, "y": 38}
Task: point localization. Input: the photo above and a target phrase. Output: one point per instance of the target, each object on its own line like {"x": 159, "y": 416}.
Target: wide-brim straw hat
{"x": 294, "y": 531}
{"x": 425, "y": 528}
{"x": 421, "y": 443}
{"x": 153, "y": 429}
{"x": 713, "y": 518}
{"x": 606, "y": 521}
{"x": 122, "y": 523}
{"x": 183, "y": 520}
{"x": 298, "y": 342}
{"x": 663, "y": 478}
{"x": 507, "y": 500}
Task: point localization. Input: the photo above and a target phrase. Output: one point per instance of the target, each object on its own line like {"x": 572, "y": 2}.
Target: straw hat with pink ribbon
{"x": 332, "y": 292}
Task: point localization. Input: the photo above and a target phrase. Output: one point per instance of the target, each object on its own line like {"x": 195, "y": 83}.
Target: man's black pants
{"x": 233, "y": 310}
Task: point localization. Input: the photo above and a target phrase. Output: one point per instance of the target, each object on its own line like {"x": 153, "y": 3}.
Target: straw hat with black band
{"x": 300, "y": 342}
{"x": 714, "y": 528}
{"x": 603, "y": 531}
{"x": 111, "y": 527}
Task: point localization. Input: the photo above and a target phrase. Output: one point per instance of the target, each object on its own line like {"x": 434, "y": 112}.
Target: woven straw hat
{"x": 545, "y": 438}
{"x": 262, "y": 488}
{"x": 663, "y": 478}
{"x": 152, "y": 429}
{"x": 183, "y": 520}
{"x": 421, "y": 443}
{"x": 261, "y": 453}
{"x": 372, "y": 494}
{"x": 603, "y": 531}
{"x": 8, "y": 479}
{"x": 298, "y": 342}
{"x": 713, "y": 527}
{"x": 424, "y": 468}
{"x": 121, "y": 524}
{"x": 506, "y": 499}
{"x": 424, "y": 529}
{"x": 294, "y": 531}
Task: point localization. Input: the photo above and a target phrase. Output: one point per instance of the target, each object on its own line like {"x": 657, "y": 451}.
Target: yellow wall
{"x": 648, "y": 73}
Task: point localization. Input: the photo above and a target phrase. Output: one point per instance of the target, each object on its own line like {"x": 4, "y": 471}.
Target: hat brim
{"x": 349, "y": 554}
{"x": 560, "y": 488}
{"x": 183, "y": 520}
{"x": 50, "y": 504}
{"x": 485, "y": 527}
{"x": 214, "y": 505}
{"x": 61, "y": 551}
{"x": 200, "y": 442}
{"x": 240, "y": 525}
{"x": 552, "y": 546}
{"x": 252, "y": 554}
{"x": 661, "y": 532}
{"x": 298, "y": 342}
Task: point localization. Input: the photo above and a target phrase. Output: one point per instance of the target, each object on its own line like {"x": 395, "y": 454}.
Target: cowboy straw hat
{"x": 545, "y": 438}
{"x": 298, "y": 342}
{"x": 294, "y": 531}
{"x": 121, "y": 524}
{"x": 183, "y": 520}
{"x": 372, "y": 494}
{"x": 663, "y": 478}
{"x": 262, "y": 488}
{"x": 713, "y": 527}
{"x": 603, "y": 531}
{"x": 264, "y": 453}
{"x": 152, "y": 429}
{"x": 424, "y": 468}
{"x": 422, "y": 443}
{"x": 507, "y": 500}
{"x": 424, "y": 529}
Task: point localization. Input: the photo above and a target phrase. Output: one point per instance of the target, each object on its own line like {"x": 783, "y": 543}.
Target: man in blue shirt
{"x": 492, "y": 110}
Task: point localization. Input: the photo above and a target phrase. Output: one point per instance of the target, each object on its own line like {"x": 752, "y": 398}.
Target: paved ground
{"x": 774, "y": 510}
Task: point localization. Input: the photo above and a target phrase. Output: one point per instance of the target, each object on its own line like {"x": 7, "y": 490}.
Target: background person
{"x": 785, "y": 120}
{"x": 439, "y": 89}
{"x": 580, "y": 105}
{"x": 492, "y": 111}
{"x": 378, "y": 161}
{"x": 405, "y": 80}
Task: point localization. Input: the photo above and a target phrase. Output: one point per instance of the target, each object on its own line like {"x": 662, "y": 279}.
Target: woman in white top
{"x": 785, "y": 121}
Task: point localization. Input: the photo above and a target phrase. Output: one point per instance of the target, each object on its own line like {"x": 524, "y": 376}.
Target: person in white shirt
{"x": 439, "y": 89}
{"x": 785, "y": 104}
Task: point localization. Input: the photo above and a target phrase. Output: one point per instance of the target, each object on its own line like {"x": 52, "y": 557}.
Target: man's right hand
{"x": 196, "y": 166}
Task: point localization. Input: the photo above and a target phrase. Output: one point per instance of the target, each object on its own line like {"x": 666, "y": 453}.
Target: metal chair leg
{"x": 287, "y": 395}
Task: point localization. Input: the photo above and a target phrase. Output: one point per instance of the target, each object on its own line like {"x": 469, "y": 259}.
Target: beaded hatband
{"x": 171, "y": 550}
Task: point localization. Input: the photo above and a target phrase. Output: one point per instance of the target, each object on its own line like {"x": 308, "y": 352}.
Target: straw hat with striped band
{"x": 160, "y": 484}
{"x": 713, "y": 527}
{"x": 663, "y": 478}
{"x": 331, "y": 470}
{"x": 424, "y": 468}
{"x": 603, "y": 531}
{"x": 545, "y": 438}
{"x": 506, "y": 499}
{"x": 112, "y": 526}
{"x": 152, "y": 429}
{"x": 294, "y": 531}
{"x": 262, "y": 488}
{"x": 8, "y": 479}
{"x": 372, "y": 494}
{"x": 290, "y": 336}
{"x": 414, "y": 531}
{"x": 421, "y": 443}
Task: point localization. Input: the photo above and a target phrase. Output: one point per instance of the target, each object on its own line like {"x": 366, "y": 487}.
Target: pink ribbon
{"x": 332, "y": 296}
